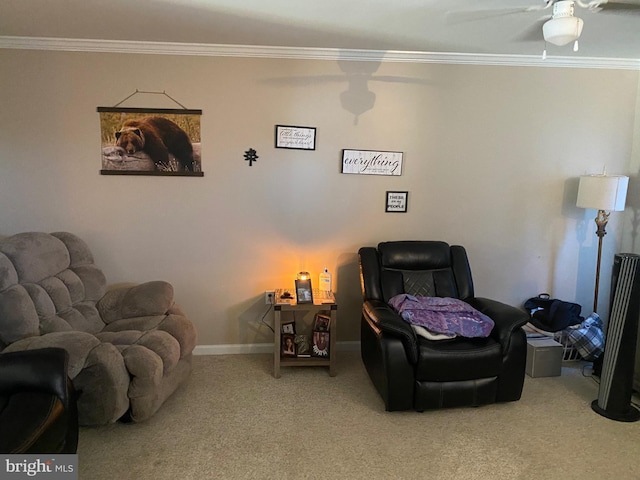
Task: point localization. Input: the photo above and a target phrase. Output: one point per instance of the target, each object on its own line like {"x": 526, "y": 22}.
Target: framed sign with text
{"x": 299, "y": 138}
{"x": 368, "y": 162}
{"x": 397, "y": 202}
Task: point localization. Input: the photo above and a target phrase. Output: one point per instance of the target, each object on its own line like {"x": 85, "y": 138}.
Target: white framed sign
{"x": 397, "y": 202}
{"x": 368, "y": 162}
{"x": 300, "y": 138}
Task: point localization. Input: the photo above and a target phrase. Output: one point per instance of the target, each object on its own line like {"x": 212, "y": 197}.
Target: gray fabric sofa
{"x": 129, "y": 347}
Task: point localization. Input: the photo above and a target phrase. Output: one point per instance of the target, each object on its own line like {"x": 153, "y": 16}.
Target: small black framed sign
{"x": 288, "y": 327}
{"x": 397, "y": 202}
{"x": 298, "y": 138}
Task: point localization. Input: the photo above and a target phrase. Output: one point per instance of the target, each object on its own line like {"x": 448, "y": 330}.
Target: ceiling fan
{"x": 562, "y": 26}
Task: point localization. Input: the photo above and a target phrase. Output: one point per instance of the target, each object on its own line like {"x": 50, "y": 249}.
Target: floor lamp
{"x": 604, "y": 193}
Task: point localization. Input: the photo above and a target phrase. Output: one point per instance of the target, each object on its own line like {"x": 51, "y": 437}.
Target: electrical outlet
{"x": 269, "y": 297}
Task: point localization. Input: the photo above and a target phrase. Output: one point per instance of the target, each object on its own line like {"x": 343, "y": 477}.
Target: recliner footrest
{"x": 433, "y": 395}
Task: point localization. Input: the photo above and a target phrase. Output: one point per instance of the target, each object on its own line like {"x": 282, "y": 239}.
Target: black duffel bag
{"x": 552, "y": 315}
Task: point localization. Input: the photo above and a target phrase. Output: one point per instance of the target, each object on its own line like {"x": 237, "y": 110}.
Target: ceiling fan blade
{"x": 461, "y": 16}
{"x": 618, "y": 7}
{"x": 391, "y": 79}
{"x": 304, "y": 81}
{"x": 533, "y": 33}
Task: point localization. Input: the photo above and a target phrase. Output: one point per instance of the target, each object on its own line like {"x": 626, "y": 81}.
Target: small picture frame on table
{"x": 320, "y": 344}
{"x": 304, "y": 293}
{"x": 288, "y": 327}
{"x": 288, "y": 345}
{"x": 321, "y": 322}
{"x": 303, "y": 347}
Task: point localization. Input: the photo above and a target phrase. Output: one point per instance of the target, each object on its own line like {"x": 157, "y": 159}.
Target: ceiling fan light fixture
{"x": 562, "y": 30}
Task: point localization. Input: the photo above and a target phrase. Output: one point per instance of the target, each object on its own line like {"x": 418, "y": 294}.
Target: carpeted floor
{"x": 233, "y": 420}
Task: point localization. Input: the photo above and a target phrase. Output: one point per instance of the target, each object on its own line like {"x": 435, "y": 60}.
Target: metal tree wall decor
{"x": 251, "y": 156}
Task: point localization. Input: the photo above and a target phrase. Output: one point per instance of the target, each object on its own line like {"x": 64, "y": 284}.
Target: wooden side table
{"x": 280, "y": 361}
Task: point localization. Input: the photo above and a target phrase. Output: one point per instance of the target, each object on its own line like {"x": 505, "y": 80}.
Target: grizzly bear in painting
{"x": 157, "y": 137}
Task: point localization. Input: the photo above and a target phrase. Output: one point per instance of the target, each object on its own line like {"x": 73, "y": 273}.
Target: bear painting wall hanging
{"x": 150, "y": 141}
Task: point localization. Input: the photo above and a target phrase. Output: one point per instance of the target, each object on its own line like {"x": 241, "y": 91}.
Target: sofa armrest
{"x": 144, "y": 300}
{"x": 507, "y": 319}
{"x": 388, "y": 320}
{"x": 41, "y": 370}
{"x": 178, "y": 326}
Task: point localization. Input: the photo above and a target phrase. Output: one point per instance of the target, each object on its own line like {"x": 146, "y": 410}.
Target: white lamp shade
{"x": 562, "y": 30}
{"x": 603, "y": 192}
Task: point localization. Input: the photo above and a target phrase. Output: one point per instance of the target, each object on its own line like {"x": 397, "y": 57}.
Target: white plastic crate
{"x": 569, "y": 353}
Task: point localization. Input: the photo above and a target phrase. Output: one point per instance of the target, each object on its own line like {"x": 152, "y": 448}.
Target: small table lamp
{"x": 605, "y": 193}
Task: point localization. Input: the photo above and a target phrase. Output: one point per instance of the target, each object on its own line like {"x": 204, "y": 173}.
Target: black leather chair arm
{"x": 41, "y": 370}
{"x": 388, "y": 320}
{"x": 507, "y": 318}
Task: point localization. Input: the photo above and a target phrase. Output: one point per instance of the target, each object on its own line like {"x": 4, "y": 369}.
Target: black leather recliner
{"x": 38, "y": 411}
{"x": 411, "y": 372}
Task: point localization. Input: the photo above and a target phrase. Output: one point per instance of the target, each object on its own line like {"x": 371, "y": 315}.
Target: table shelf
{"x": 313, "y": 361}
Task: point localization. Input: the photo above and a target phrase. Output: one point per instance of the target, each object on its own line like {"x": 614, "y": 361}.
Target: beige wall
{"x": 490, "y": 160}
{"x": 630, "y": 240}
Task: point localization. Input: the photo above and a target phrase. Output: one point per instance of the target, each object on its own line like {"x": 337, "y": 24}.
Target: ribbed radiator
{"x": 616, "y": 379}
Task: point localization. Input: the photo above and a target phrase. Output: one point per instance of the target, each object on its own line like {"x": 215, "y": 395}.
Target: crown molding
{"x": 255, "y": 51}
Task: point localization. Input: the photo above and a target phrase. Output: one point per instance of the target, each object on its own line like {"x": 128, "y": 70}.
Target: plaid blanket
{"x": 588, "y": 340}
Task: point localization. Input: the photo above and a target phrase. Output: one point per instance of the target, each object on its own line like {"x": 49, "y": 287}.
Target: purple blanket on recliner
{"x": 443, "y": 315}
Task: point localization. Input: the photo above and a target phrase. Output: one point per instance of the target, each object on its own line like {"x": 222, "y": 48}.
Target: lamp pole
{"x": 601, "y": 221}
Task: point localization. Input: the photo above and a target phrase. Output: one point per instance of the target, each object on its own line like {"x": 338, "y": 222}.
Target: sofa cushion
{"x": 18, "y": 315}
{"x": 161, "y": 343}
{"x": 183, "y": 330}
{"x": 93, "y": 281}
{"x": 8, "y": 274}
{"x": 78, "y": 250}
{"x": 48, "y": 283}
{"x": 35, "y": 256}
{"x": 77, "y": 344}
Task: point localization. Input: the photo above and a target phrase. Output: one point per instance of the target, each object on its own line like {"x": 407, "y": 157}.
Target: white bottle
{"x": 325, "y": 281}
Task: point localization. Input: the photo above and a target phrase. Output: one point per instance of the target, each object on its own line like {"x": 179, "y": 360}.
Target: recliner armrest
{"x": 507, "y": 318}
{"x": 388, "y": 320}
{"x": 146, "y": 299}
{"x": 41, "y": 370}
